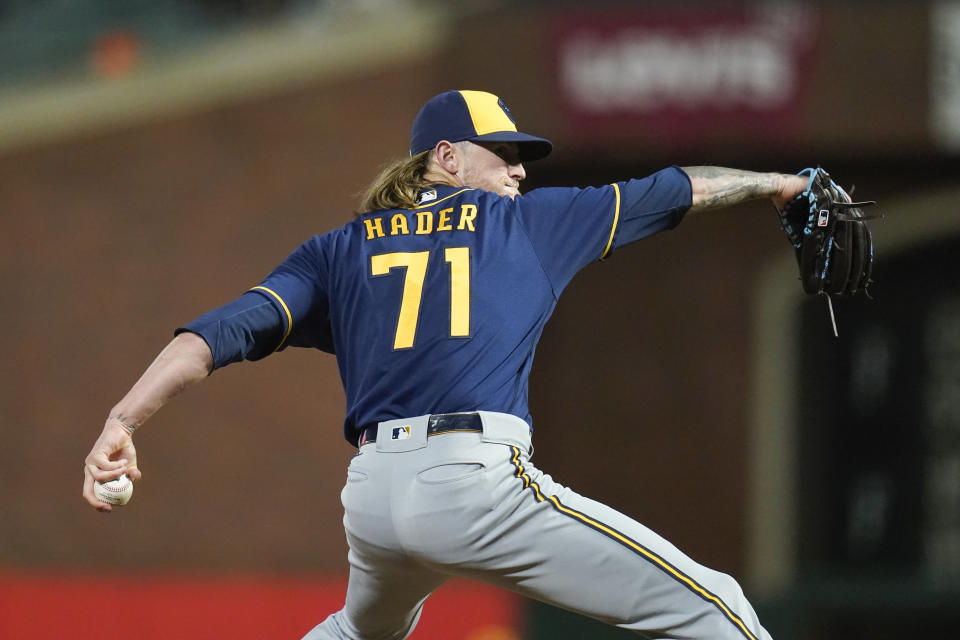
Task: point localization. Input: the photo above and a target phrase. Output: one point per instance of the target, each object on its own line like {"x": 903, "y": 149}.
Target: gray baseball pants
{"x": 419, "y": 510}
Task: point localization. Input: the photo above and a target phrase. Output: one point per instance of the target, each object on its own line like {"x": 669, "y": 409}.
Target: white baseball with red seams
{"x": 114, "y": 492}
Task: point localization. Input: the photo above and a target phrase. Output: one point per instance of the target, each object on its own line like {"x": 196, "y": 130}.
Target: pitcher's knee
{"x": 734, "y": 614}
{"x": 373, "y": 627}
{"x": 339, "y": 626}
{"x": 329, "y": 629}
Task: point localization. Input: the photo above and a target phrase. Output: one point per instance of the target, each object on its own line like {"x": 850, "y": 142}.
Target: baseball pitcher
{"x": 432, "y": 302}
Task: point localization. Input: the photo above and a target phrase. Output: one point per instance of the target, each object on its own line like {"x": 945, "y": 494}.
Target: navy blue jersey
{"x": 439, "y": 309}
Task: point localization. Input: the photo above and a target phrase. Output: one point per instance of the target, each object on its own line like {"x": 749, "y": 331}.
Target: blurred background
{"x": 157, "y": 158}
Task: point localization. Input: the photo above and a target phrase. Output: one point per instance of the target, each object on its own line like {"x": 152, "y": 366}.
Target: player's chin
{"x": 510, "y": 191}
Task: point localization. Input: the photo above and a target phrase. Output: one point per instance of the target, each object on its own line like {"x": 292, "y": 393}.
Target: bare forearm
{"x": 718, "y": 187}
{"x": 184, "y": 362}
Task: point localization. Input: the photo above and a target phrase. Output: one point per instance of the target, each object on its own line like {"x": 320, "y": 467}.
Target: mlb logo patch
{"x": 824, "y": 218}
{"x": 427, "y": 196}
{"x": 401, "y": 433}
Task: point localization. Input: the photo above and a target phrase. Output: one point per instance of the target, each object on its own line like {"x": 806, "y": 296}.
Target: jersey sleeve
{"x": 247, "y": 328}
{"x": 290, "y": 307}
{"x": 299, "y": 290}
{"x": 570, "y": 227}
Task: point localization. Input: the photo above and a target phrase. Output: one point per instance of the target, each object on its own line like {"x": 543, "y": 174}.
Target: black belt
{"x": 436, "y": 424}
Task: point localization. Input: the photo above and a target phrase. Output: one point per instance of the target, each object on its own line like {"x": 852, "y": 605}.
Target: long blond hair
{"x": 397, "y": 185}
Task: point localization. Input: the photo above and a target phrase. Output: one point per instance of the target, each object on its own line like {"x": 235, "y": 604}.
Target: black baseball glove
{"x": 830, "y": 235}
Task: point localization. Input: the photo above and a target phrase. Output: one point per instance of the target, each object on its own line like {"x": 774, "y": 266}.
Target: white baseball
{"x": 115, "y": 491}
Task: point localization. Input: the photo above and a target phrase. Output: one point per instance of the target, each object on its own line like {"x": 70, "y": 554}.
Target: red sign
{"x": 683, "y": 72}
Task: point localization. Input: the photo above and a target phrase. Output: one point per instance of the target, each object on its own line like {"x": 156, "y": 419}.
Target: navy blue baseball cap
{"x": 476, "y": 116}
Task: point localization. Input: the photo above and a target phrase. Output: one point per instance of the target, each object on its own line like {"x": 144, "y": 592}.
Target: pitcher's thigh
{"x": 578, "y": 554}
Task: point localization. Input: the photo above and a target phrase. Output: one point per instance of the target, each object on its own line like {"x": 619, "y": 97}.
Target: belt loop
{"x": 505, "y": 428}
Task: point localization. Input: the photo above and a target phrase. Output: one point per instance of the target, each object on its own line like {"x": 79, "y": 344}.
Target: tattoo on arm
{"x": 717, "y": 187}
{"x": 125, "y": 422}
